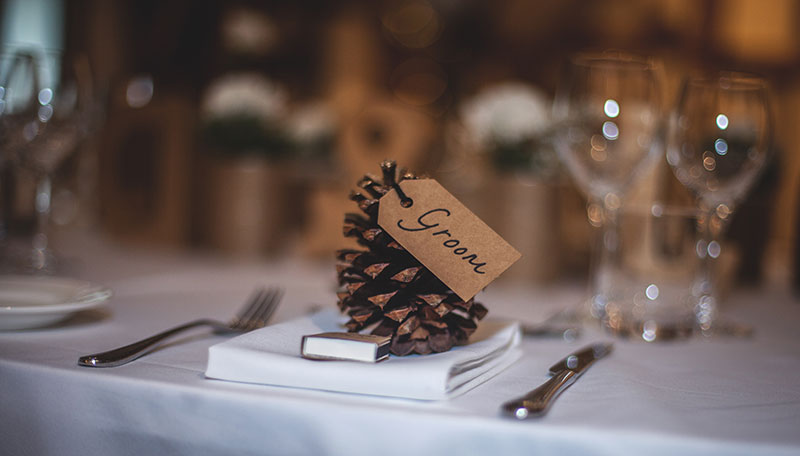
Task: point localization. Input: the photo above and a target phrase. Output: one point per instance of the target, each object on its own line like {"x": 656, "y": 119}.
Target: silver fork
{"x": 254, "y": 314}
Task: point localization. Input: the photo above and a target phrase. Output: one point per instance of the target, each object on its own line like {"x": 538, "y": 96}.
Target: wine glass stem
{"x": 605, "y": 257}
{"x": 43, "y": 197}
{"x": 708, "y": 249}
{"x": 3, "y": 205}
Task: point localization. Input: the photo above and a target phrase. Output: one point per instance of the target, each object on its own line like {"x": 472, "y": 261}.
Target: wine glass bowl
{"x": 721, "y": 135}
{"x": 608, "y": 107}
{"x": 18, "y": 86}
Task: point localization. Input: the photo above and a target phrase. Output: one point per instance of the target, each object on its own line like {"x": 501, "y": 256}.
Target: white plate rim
{"x": 87, "y": 295}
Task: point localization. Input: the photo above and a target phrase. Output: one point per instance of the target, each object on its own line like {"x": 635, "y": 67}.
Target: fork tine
{"x": 256, "y": 319}
{"x": 262, "y": 317}
{"x": 257, "y": 310}
{"x": 249, "y": 308}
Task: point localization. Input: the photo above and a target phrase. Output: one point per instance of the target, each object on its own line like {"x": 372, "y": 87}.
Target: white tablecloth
{"x": 705, "y": 397}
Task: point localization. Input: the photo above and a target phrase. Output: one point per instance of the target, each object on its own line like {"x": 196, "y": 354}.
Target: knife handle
{"x": 538, "y": 401}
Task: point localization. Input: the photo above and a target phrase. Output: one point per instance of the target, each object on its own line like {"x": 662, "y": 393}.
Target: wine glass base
{"x": 651, "y": 331}
{"x": 21, "y": 258}
{"x": 666, "y": 330}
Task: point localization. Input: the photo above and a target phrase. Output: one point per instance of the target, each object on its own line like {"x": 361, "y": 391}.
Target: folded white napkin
{"x": 271, "y": 356}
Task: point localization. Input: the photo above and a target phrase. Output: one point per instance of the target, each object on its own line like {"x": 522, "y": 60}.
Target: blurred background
{"x": 237, "y": 128}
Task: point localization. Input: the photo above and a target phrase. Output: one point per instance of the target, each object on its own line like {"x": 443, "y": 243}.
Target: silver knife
{"x": 564, "y": 373}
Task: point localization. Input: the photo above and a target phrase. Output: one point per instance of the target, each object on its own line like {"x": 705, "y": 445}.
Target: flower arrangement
{"x": 510, "y": 122}
{"x": 247, "y": 114}
{"x": 242, "y": 114}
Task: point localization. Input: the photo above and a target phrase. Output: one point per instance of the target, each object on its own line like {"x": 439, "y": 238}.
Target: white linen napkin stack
{"x": 271, "y": 355}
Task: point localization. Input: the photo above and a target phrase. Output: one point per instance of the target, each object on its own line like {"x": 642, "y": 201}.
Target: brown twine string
{"x": 405, "y": 201}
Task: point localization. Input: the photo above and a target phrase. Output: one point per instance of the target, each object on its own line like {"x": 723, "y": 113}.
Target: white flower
{"x": 508, "y": 112}
{"x": 245, "y": 93}
{"x": 310, "y": 122}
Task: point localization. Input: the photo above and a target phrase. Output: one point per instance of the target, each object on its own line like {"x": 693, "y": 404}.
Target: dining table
{"x": 719, "y": 395}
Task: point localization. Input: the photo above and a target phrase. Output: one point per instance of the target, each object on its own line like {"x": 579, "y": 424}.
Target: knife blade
{"x": 568, "y": 333}
{"x": 563, "y": 374}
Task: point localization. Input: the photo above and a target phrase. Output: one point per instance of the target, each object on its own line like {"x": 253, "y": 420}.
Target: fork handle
{"x": 128, "y": 353}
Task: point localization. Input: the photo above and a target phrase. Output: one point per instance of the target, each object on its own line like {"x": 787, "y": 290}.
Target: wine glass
{"x": 43, "y": 122}
{"x": 17, "y": 105}
{"x": 607, "y": 108}
{"x": 718, "y": 144}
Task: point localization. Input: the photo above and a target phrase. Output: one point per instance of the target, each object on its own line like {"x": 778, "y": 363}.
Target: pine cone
{"x": 387, "y": 287}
